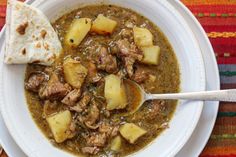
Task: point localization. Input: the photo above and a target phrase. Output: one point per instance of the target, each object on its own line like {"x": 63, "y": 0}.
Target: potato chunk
{"x": 103, "y": 25}
{"x": 59, "y": 124}
{"x": 74, "y": 73}
{"x": 142, "y": 37}
{"x": 77, "y": 31}
{"x": 116, "y": 144}
{"x": 131, "y": 132}
{"x": 115, "y": 93}
{"x": 151, "y": 54}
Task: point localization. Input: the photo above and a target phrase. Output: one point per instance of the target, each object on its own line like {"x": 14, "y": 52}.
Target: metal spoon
{"x": 138, "y": 100}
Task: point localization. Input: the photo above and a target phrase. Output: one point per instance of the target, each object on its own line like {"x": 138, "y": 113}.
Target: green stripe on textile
{"x": 213, "y": 15}
{"x": 224, "y": 15}
{"x": 200, "y": 14}
{"x": 224, "y": 136}
{"x": 226, "y": 114}
{"x": 228, "y": 73}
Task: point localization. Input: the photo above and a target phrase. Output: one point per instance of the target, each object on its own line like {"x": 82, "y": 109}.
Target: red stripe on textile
{"x": 209, "y": 2}
{"x": 220, "y": 150}
{"x": 212, "y": 8}
{"x": 225, "y": 142}
{"x": 226, "y": 60}
{"x": 219, "y": 28}
{"x": 227, "y": 107}
{"x": 2, "y": 22}
{"x": 224, "y": 45}
{"x": 221, "y": 49}
{"x": 225, "y": 55}
{"x": 218, "y": 155}
{"x": 218, "y": 21}
{"x": 2, "y": 10}
{"x": 223, "y": 41}
{"x": 228, "y": 86}
{"x": 226, "y": 121}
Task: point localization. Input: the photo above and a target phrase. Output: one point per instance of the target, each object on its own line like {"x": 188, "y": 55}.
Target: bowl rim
{"x": 187, "y": 14}
{"x": 172, "y": 153}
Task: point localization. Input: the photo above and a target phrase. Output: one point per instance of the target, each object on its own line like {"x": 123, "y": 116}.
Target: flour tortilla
{"x": 30, "y": 38}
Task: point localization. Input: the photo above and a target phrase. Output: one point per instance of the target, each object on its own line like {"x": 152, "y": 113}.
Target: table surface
{"x": 218, "y": 18}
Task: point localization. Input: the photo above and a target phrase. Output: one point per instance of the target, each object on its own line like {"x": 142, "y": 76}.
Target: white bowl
{"x": 28, "y": 136}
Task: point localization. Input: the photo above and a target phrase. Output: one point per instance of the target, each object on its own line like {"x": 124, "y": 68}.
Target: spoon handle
{"x": 218, "y": 95}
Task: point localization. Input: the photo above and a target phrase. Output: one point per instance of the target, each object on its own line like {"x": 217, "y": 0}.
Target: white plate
{"x": 3, "y": 126}
{"x": 200, "y": 136}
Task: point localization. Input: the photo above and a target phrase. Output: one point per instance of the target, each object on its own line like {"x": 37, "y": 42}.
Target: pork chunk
{"x": 82, "y": 104}
{"x": 129, "y": 62}
{"x": 141, "y": 74}
{"x": 108, "y": 129}
{"x": 92, "y": 116}
{"x": 96, "y": 139}
{"x": 106, "y": 61}
{"x": 90, "y": 150}
{"x": 93, "y": 75}
{"x": 54, "y": 89}
{"x": 129, "y": 53}
{"x": 35, "y": 81}
{"x": 128, "y": 49}
{"x": 72, "y": 97}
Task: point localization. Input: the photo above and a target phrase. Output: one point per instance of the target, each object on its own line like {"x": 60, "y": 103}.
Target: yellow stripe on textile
{"x": 221, "y": 35}
{"x": 209, "y": 2}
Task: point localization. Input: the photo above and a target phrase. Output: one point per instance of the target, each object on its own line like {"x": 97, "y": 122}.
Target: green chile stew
{"x": 73, "y": 102}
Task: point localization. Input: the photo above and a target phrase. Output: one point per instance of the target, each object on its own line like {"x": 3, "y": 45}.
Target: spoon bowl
{"x": 137, "y": 96}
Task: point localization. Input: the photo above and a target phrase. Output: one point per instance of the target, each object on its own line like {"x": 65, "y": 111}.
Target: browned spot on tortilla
{"x": 49, "y": 59}
{"x": 36, "y": 61}
{"x": 21, "y": 29}
{"x": 43, "y": 33}
{"x": 23, "y": 51}
{"x": 46, "y": 46}
{"x": 33, "y": 36}
{"x": 52, "y": 58}
{"x": 38, "y": 45}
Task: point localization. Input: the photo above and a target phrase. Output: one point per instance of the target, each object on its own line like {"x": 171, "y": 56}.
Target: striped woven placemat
{"x": 218, "y": 18}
